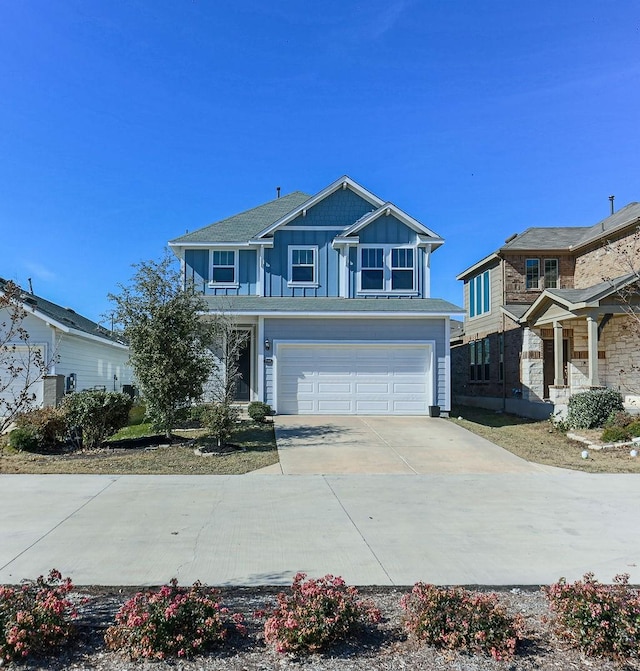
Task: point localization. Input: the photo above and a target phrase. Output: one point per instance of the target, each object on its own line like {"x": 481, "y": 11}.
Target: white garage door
{"x": 324, "y": 379}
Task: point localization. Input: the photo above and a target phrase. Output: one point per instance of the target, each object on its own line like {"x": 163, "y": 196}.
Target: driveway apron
{"x": 314, "y": 444}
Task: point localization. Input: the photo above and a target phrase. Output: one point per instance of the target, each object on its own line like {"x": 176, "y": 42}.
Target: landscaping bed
{"x": 383, "y": 647}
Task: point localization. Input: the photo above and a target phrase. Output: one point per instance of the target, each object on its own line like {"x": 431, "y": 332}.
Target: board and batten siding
{"x": 198, "y": 269}
{"x": 364, "y": 329}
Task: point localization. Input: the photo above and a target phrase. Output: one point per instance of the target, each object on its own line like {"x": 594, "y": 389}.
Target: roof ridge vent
{"x": 510, "y": 238}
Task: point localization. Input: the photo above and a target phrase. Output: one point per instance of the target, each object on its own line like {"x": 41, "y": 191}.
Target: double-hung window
{"x": 479, "y": 360}
{"x": 387, "y": 269}
{"x": 551, "y": 273}
{"x": 532, "y": 269}
{"x": 545, "y": 278}
{"x": 303, "y": 266}
{"x": 224, "y": 271}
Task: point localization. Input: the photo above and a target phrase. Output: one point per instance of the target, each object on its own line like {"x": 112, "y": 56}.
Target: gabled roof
{"x": 576, "y": 299}
{"x": 546, "y": 238}
{"x": 343, "y": 183}
{"x": 387, "y": 209}
{"x": 625, "y": 216}
{"x": 246, "y": 225}
{"x": 63, "y": 318}
{"x": 478, "y": 265}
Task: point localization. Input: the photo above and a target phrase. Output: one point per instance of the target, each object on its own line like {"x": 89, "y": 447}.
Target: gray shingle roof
{"x": 266, "y": 305}
{"x": 624, "y": 216}
{"x": 555, "y": 237}
{"x": 65, "y": 316}
{"x": 594, "y": 292}
{"x": 246, "y": 225}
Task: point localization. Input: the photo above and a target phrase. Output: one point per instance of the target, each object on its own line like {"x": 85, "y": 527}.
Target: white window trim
{"x": 311, "y": 285}
{"x": 544, "y": 273}
{"x": 224, "y": 285}
{"x": 540, "y": 274}
{"x": 387, "y": 271}
{"x": 485, "y": 277}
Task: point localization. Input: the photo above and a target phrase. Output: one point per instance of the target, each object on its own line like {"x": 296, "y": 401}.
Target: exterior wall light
{"x": 267, "y": 344}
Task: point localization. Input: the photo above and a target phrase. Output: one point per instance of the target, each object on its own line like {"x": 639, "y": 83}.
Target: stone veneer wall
{"x": 532, "y": 366}
{"x": 621, "y": 369}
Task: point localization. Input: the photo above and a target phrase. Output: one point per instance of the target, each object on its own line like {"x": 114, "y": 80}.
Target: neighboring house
{"x": 545, "y": 319}
{"x": 82, "y": 354}
{"x": 334, "y": 291}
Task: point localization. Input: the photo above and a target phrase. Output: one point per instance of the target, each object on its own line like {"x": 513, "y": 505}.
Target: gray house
{"x": 334, "y": 291}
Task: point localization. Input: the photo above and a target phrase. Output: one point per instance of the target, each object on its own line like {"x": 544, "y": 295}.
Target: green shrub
{"x": 99, "y": 414}
{"x": 599, "y": 620}
{"x": 221, "y": 420}
{"x": 456, "y": 618}
{"x": 615, "y": 434}
{"x": 592, "y": 408}
{"x": 316, "y": 614}
{"x": 23, "y": 439}
{"x": 620, "y": 418}
{"x": 173, "y": 621}
{"x": 259, "y": 411}
{"x": 634, "y": 428}
{"x": 35, "y": 617}
{"x": 48, "y": 425}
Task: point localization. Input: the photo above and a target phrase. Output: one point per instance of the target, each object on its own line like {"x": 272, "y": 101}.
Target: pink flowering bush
{"x": 456, "y": 618}
{"x": 600, "y": 620}
{"x": 317, "y": 613}
{"x": 35, "y": 617}
{"x": 173, "y": 621}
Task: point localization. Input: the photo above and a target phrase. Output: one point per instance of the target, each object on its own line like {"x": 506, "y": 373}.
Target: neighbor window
{"x": 480, "y": 294}
{"x": 303, "y": 265}
{"x": 551, "y": 273}
{"x": 479, "y": 360}
{"x": 224, "y": 267}
{"x": 533, "y": 273}
{"x": 387, "y": 269}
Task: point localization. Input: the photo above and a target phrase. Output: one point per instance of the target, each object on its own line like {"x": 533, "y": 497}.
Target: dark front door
{"x": 243, "y": 388}
{"x": 549, "y": 365}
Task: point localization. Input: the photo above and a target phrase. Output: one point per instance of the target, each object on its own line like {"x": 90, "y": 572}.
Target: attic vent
{"x": 69, "y": 321}
{"x": 511, "y": 237}
{"x": 70, "y": 310}
{"x": 30, "y": 300}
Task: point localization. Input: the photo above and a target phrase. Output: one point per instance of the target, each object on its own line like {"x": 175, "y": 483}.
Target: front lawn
{"x": 539, "y": 442}
{"x": 254, "y": 448}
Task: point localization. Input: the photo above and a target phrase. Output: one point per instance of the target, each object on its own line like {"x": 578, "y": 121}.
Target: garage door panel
{"x": 322, "y": 378}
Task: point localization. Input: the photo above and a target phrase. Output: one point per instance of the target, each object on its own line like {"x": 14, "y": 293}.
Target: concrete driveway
{"x": 339, "y": 445}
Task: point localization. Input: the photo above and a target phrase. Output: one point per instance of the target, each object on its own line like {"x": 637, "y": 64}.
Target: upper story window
{"x": 224, "y": 269}
{"x": 303, "y": 266}
{"x": 386, "y": 269}
{"x": 480, "y": 294}
{"x": 534, "y": 277}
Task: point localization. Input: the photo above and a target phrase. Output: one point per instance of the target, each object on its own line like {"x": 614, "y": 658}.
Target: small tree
{"x": 22, "y": 364}
{"x": 169, "y": 343}
{"x": 98, "y": 413}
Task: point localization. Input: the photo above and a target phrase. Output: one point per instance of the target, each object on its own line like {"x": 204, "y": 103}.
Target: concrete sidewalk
{"x": 514, "y": 528}
{"x": 344, "y": 444}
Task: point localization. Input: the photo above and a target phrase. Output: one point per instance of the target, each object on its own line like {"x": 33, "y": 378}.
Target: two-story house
{"x": 545, "y": 317}
{"x": 334, "y": 292}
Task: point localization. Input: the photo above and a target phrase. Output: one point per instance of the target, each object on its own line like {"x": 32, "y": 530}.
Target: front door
{"x": 549, "y": 365}
{"x": 243, "y": 388}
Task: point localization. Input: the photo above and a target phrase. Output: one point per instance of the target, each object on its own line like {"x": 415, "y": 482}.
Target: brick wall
{"x": 515, "y": 275}
{"x": 607, "y": 260}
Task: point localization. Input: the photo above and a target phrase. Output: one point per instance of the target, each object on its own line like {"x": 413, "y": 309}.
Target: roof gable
{"x": 389, "y": 209}
{"x": 345, "y": 182}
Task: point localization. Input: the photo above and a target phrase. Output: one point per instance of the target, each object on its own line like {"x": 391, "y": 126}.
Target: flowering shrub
{"x": 316, "y": 614}
{"x": 35, "y": 617}
{"x": 600, "y": 620}
{"x": 456, "y": 618}
{"x": 174, "y": 621}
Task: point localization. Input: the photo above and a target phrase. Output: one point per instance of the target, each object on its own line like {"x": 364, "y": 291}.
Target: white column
{"x": 558, "y": 364}
{"x": 260, "y": 349}
{"x": 592, "y": 333}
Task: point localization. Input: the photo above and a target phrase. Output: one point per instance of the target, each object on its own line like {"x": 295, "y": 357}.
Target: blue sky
{"x": 125, "y": 123}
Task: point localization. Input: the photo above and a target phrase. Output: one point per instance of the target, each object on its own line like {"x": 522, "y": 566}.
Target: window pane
{"x": 372, "y": 279}
{"x": 550, "y": 273}
{"x": 302, "y": 274}
{"x": 479, "y": 295}
{"x": 223, "y": 275}
{"x": 401, "y": 279}
{"x": 533, "y": 273}
{"x": 372, "y": 258}
{"x": 402, "y": 258}
{"x": 472, "y": 298}
{"x": 486, "y": 291}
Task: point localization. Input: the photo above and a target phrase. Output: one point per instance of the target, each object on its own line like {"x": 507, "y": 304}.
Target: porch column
{"x": 558, "y": 372}
{"x": 592, "y": 334}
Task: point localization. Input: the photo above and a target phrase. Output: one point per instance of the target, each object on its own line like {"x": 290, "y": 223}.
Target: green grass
{"x": 539, "y": 442}
{"x": 133, "y": 431}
